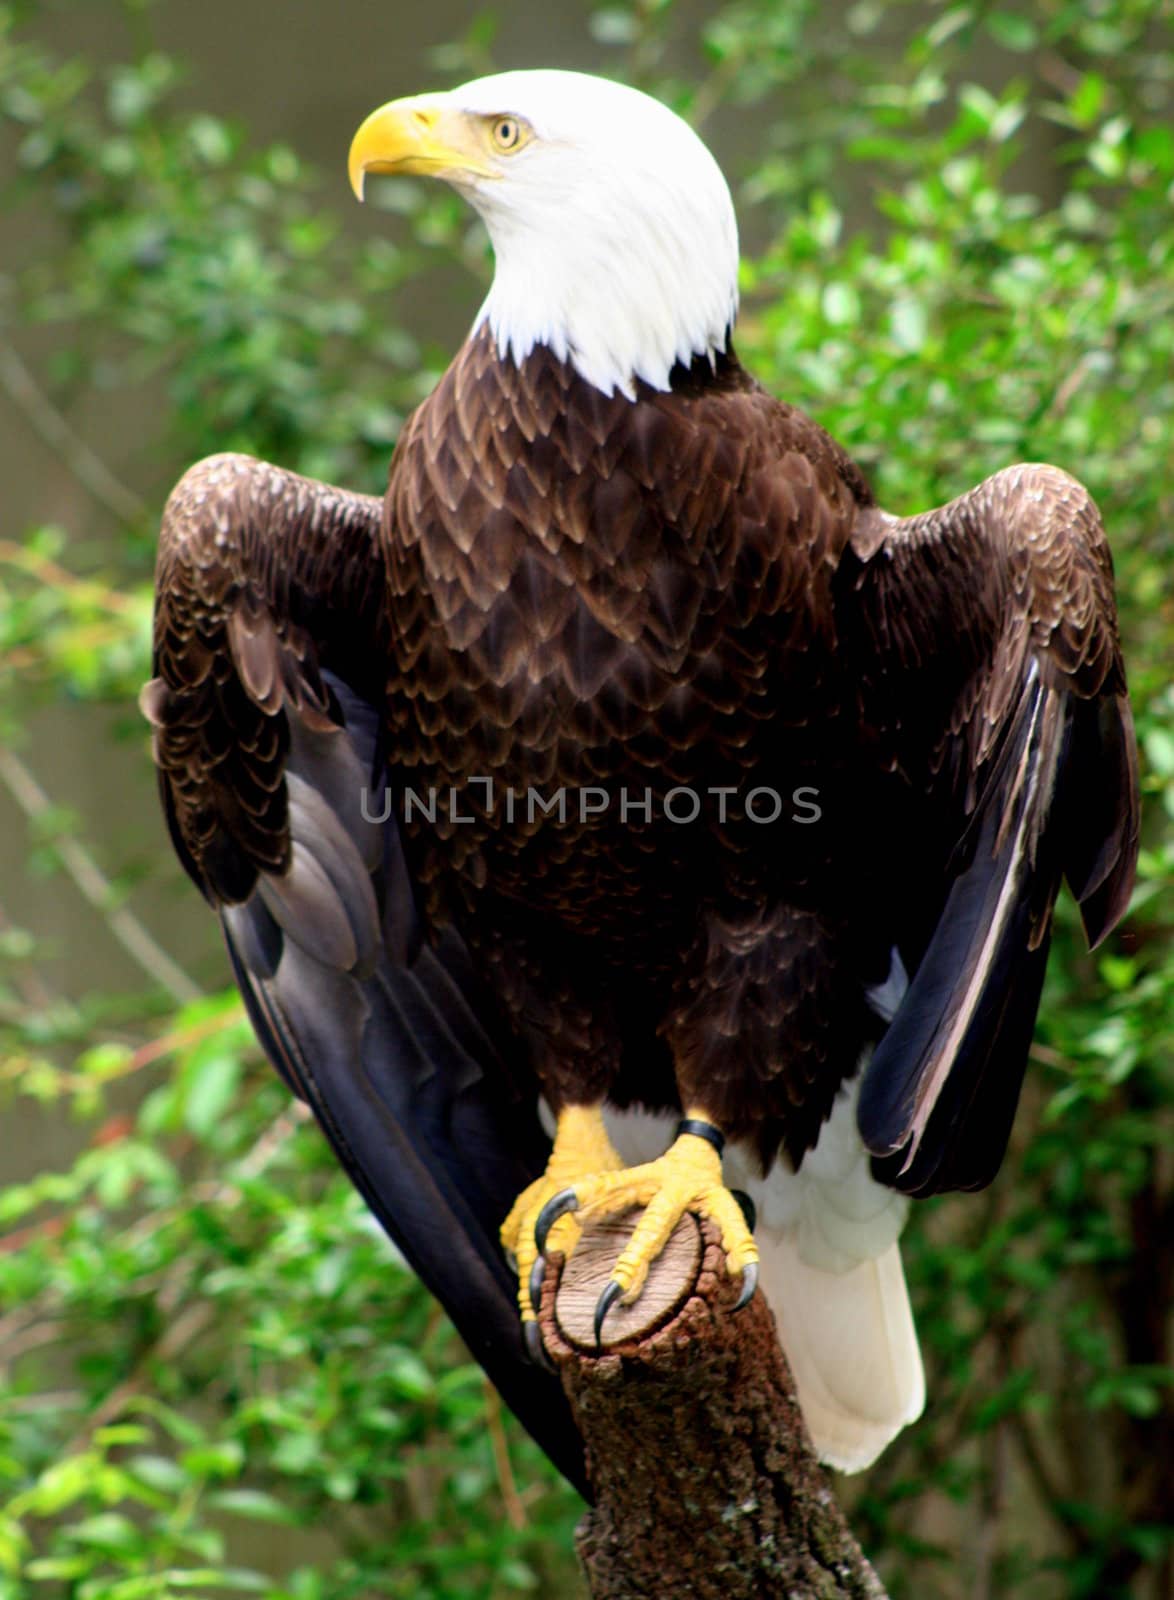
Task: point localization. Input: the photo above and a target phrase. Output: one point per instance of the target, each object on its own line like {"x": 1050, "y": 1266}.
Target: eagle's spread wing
{"x": 270, "y": 654}
{"x": 984, "y": 638}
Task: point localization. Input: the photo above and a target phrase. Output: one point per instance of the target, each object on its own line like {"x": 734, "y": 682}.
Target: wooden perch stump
{"x": 705, "y": 1481}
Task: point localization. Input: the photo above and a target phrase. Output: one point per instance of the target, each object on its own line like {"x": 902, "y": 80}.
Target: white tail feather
{"x": 831, "y": 1272}
{"x": 851, "y": 1345}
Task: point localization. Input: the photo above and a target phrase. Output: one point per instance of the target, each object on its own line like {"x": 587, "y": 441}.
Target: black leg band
{"x": 702, "y": 1130}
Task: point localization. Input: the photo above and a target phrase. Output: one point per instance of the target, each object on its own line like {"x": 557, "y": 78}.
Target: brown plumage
{"x": 745, "y": 619}
{"x": 532, "y": 653}
{"x": 690, "y": 590}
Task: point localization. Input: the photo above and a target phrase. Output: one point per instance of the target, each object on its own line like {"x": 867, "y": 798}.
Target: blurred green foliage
{"x": 200, "y": 1329}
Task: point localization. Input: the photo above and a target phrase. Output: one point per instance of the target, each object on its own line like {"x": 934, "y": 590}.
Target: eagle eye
{"x": 507, "y": 133}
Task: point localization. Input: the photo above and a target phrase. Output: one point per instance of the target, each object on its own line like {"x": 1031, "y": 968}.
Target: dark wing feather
{"x": 984, "y": 636}
{"x": 270, "y": 657}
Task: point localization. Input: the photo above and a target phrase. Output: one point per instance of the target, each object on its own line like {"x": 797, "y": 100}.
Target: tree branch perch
{"x": 705, "y": 1481}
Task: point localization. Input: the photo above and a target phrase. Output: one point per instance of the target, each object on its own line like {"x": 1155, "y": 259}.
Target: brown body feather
{"x": 616, "y": 601}
{"x": 693, "y": 591}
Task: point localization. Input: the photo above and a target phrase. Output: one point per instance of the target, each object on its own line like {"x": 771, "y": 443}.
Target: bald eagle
{"x": 627, "y": 763}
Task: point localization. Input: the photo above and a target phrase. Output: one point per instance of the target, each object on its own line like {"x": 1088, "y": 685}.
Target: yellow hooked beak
{"x": 424, "y": 135}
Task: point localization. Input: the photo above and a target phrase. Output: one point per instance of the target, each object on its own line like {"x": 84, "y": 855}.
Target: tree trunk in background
{"x": 705, "y": 1481}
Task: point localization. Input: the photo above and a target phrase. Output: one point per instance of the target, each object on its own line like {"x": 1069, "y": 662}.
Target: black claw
{"x": 565, "y": 1200}
{"x": 749, "y": 1284}
{"x": 512, "y": 1261}
{"x": 537, "y": 1274}
{"x": 746, "y": 1207}
{"x": 535, "y": 1348}
{"x": 603, "y": 1305}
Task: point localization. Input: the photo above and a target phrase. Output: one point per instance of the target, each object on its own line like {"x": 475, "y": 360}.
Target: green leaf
{"x": 1012, "y": 29}
{"x": 409, "y": 1376}
{"x": 908, "y": 322}
{"x": 213, "y": 1082}
{"x": 1087, "y": 101}
{"x": 223, "y": 1460}
{"x": 254, "y": 1504}
{"x": 841, "y": 304}
{"x": 160, "y": 1473}
{"x": 109, "y": 1531}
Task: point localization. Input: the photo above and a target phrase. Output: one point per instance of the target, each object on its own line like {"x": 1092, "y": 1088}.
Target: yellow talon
{"x": 688, "y": 1177}
{"x": 582, "y": 1153}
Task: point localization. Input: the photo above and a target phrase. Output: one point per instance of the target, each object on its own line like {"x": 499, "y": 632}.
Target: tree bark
{"x": 705, "y": 1482}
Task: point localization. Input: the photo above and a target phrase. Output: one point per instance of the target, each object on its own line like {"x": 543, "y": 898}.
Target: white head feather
{"x": 612, "y": 227}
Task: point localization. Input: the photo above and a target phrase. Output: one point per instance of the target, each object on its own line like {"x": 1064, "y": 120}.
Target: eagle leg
{"x": 688, "y": 1177}
{"x": 582, "y": 1154}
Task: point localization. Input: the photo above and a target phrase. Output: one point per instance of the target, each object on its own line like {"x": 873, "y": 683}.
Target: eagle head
{"x": 613, "y": 230}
